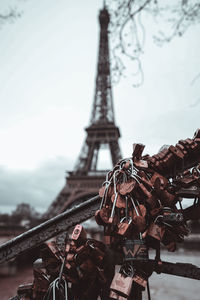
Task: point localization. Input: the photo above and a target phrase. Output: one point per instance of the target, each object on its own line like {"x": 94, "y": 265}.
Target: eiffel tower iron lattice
{"x": 84, "y": 181}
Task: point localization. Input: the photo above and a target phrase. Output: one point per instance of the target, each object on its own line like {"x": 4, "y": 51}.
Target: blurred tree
{"x": 9, "y": 11}
{"x": 4, "y": 219}
{"x": 25, "y": 215}
{"x": 9, "y": 16}
{"x": 25, "y": 210}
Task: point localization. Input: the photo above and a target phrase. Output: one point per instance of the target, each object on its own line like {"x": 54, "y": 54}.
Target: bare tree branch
{"x": 128, "y": 32}
{"x": 9, "y": 16}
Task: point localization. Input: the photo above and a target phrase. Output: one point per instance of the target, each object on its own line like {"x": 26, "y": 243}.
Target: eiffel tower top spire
{"x": 102, "y": 130}
{"x": 102, "y": 111}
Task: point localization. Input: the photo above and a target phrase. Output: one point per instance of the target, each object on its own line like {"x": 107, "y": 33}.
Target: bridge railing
{"x": 62, "y": 223}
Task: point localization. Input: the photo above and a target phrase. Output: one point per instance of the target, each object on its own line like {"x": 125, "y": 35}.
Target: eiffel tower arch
{"x": 84, "y": 181}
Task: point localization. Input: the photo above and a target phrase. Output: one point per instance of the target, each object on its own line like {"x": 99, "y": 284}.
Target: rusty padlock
{"x": 102, "y": 215}
{"x": 168, "y": 240}
{"x": 25, "y": 291}
{"x": 151, "y": 202}
{"x": 52, "y": 246}
{"x": 105, "y": 190}
{"x": 124, "y": 227}
{"x": 155, "y": 231}
{"x": 127, "y": 187}
{"x": 70, "y": 257}
{"x": 98, "y": 219}
{"x": 120, "y": 202}
{"x": 87, "y": 266}
{"x": 192, "y": 191}
{"x": 95, "y": 252}
{"x": 144, "y": 191}
{"x": 122, "y": 282}
{"x": 137, "y": 150}
{"x": 79, "y": 234}
{"x": 140, "y": 278}
{"x": 139, "y": 214}
{"x": 176, "y": 152}
{"x": 166, "y": 198}
{"x": 41, "y": 282}
{"x": 158, "y": 181}
{"x": 154, "y": 235}
{"x": 141, "y": 164}
{"x": 156, "y": 211}
{"x": 172, "y": 218}
{"x": 108, "y": 234}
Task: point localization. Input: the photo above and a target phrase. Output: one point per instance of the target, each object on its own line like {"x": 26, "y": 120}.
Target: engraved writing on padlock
{"x": 135, "y": 250}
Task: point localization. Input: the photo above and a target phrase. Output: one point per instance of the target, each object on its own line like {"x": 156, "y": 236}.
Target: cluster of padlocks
{"x": 75, "y": 272}
{"x": 140, "y": 209}
{"x": 137, "y": 205}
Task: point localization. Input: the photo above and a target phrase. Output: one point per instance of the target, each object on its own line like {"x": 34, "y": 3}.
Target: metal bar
{"x": 179, "y": 269}
{"x": 37, "y": 235}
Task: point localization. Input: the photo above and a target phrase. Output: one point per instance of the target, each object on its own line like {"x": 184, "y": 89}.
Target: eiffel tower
{"x": 84, "y": 181}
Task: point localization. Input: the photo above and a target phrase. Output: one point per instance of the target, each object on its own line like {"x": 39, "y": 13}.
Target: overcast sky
{"x": 47, "y": 79}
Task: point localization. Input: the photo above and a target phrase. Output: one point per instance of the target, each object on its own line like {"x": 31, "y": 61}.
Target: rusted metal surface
{"x": 37, "y": 235}
{"x": 181, "y": 269}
